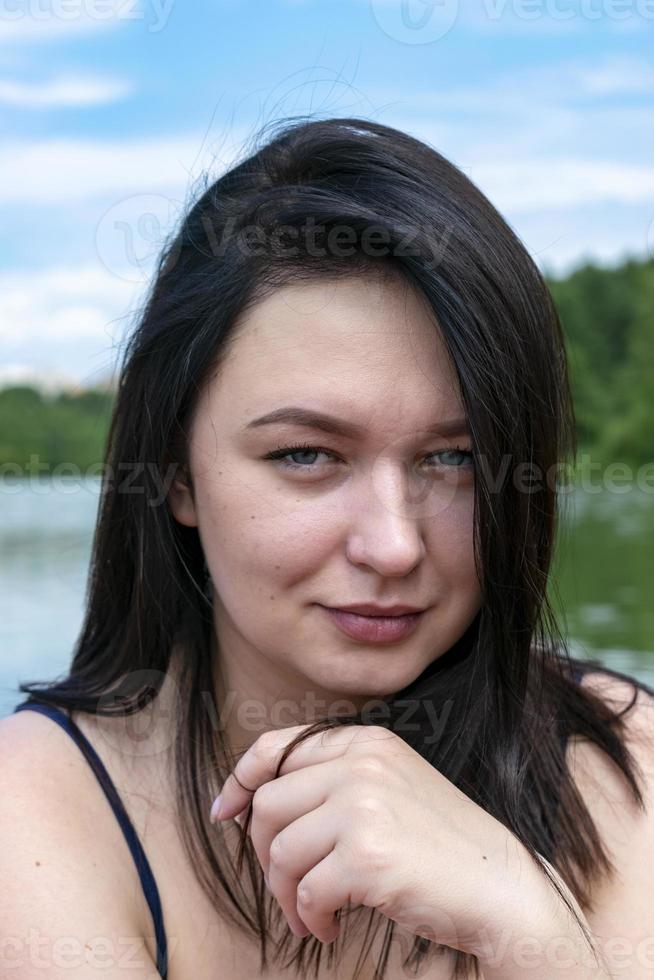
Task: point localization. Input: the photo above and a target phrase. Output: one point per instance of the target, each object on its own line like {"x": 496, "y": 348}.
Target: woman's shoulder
{"x": 628, "y": 696}
{"x": 60, "y": 839}
{"x": 621, "y": 903}
{"x": 634, "y": 702}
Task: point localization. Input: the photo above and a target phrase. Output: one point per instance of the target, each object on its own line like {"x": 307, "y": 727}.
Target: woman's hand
{"x": 356, "y": 815}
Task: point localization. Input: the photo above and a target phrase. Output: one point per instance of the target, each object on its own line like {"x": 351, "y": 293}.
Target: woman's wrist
{"x": 538, "y": 956}
{"x": 544, "y": 940}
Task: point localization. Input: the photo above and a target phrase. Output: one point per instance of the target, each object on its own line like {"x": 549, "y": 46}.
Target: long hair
{"x": 268, "y": 221}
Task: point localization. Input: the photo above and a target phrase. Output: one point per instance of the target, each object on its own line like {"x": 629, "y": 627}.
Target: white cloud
{"x": 522, "y": 171}
{"x": 545, "y": 136}
{"x": 63, "y": 92}
{"x": 62, "y": 303}
{"x": 42, "y": 25}
{"x": 64, "y": 171}
{"x": 618, "y": 76}
{"x": 524, "y": 93}
{"x": 70, "y": 320}
{"x": 561, "y": 182}
{"x": 36, "y": 21}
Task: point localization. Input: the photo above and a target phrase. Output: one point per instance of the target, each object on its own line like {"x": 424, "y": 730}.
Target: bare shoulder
{"x": 637, "y": 708}
{"x": 597, "y": 775}
{"x": 68, "y": 904}
{"x": 623, "y": 915}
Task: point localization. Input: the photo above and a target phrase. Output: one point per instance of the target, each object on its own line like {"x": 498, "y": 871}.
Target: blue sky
{"x": 115, "y": 111}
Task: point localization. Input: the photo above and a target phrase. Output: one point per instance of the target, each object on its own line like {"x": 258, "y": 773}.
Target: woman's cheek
{"x": 451, "y": 543}
{"x": 275, "y": 544}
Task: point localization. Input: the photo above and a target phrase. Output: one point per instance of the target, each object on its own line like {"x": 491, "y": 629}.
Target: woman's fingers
{"x": 296, "y": 844}
{"x": 322, "y": 892}
{"x": 295, "y": 852}
{"x": 290, "y": 832}
{"x": 258, "y": 764}
{"x": 279, "y": 803}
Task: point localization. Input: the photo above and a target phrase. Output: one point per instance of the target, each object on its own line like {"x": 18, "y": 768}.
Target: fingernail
{"x": 215, "y": 810}
{"x": 239, "y": 819}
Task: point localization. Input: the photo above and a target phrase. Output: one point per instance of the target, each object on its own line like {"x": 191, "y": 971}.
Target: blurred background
{"x": 116, "y": 113}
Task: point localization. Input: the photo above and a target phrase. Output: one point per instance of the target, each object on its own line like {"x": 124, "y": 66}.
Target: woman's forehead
{"x": 347, "y": 333}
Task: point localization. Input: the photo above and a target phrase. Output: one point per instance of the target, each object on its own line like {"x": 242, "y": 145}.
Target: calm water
{"x": 603, "y": 575}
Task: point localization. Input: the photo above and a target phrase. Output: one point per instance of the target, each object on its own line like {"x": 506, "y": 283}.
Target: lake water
{"x": 602, "y": 577}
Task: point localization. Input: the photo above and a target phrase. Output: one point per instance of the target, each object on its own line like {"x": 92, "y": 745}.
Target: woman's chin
{"x": 357, "y": 684}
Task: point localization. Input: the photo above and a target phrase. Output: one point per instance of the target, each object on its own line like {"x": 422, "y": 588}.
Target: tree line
{"x": 608, "y": 323}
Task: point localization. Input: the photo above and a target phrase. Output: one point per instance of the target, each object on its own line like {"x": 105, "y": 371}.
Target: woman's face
{"x": 379, "y": 514}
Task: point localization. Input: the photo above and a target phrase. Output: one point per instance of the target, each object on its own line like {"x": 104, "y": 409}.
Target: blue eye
{"x": 284, "y": 451}
{"x": 461, "y": 456}
{"x": 466, "y": 454}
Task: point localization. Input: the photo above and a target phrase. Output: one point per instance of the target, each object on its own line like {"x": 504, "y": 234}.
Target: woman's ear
{"x": 182, "y": 501}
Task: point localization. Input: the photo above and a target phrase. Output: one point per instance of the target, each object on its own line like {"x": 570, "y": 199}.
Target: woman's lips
{"x": 374, "y": 629}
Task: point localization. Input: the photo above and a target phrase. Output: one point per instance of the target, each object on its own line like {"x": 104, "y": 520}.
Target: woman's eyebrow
{"x": 292, "y": 415}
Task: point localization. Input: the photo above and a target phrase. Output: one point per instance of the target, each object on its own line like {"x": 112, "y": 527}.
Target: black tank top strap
{"x": 146, "y": 876}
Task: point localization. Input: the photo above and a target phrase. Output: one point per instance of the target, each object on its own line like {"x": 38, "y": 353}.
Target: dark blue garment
{"x": 142, "y": 866}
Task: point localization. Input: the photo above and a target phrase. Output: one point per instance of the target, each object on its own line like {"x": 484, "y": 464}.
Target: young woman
{"x": 318, "y": 585}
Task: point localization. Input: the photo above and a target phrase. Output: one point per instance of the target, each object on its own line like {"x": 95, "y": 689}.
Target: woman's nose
{"x": 386, "y": 530}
